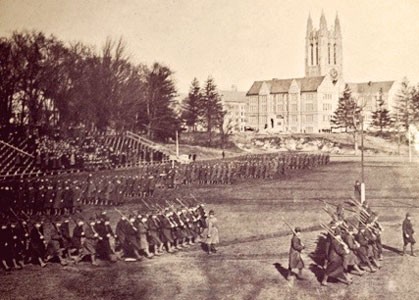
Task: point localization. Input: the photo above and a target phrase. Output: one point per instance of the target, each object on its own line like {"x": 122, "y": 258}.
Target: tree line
{"x": 203, "y": 109}
{"x": 48, "y": 83}
{"x": 349, "y": 113}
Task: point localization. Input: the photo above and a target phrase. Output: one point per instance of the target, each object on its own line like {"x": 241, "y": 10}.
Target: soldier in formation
{"x": 70, "y": 239}
{"x": 58, "y": 195}
{"x": 353, "y": 244}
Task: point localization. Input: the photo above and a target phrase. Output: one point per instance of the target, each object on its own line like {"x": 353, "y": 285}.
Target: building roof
{"x": 233, "y": 96}
{"x": 371, "y": 87}
{"x": 255, "y": 88}
{"x": 278, "y": 86}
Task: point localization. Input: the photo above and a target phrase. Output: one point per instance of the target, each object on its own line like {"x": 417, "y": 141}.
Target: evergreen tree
{"x": 348, "y": 115}
{"x": 192, "y": 105}
{"x": 404, "y": 105}
{"x": 161, "y": 119}
{"x": 381, "y": 117}
{"x": 347, "y": 112}
{"x": 211, "y": 108}
{"x": 415, "y": 103}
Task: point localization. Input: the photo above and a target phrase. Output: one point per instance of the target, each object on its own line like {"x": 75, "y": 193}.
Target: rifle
{"x": 329, "y": 231}
{"x": 289, "y": 226}
{"x": 26, "y": 215}
{"x": 329, "y": 212}
{"x": 170, "y": 205}
{"x": 159, "y": 207}
{"x": 55, "y": 227}
{"x": 146, "y": 205}
{"x": 181, "y": 223}
{"x": 122, "y": 215}
{"x": 15, "y": 215}
{"x": 94, "y": 230}
{"x": 74, "y": 221}
{"x": 173, "y": 225}
{"x": 181, "y": 203}
{"x": 194, "y": 198}
{"x": 363, "y": 213}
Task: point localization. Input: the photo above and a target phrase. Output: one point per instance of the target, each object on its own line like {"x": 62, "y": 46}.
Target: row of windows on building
{"x": 292, "y": 108}
{"x": 278, "y": 98}
{"x": 293, "y": 119}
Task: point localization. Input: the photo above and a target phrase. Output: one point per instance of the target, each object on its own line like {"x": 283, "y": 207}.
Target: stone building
{"x": 307, "y": 104}
{"x": 368, "y": 93}
{"x": 234, "y": 103}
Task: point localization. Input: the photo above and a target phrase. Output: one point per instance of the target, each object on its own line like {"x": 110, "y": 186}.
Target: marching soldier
{"x": 408, "y": 238}
{"x": 364, "y": 251}
{"x": 351, "y": 259}
{"x": 295, "y": 260}
{"x": 49, "y": 198}
{"x": 67, "y": 198}
{"x": 104, "y": 232}
{"x": 66, "y": 237}
{"x": 6, "y": 254}
{"x": 55, "y": 243}
{"x": 166, "y": 231}
{"x": 37, "y": 243}
{"x": 153, "y": 234}
{"x": 89, "y": 241}
{"x": 141, "y": 224}
{"x": 335, "y": 257}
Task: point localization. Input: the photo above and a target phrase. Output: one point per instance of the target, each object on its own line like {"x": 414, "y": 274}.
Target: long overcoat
{"x": 295, "y": 260}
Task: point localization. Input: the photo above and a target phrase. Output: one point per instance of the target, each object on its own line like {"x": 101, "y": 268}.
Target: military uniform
{"x": 408, "y": 232}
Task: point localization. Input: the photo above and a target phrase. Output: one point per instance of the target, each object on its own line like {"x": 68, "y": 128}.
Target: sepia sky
{"x": 235, "y": 41}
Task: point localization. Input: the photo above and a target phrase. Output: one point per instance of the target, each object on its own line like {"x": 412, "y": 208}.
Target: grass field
{"x": 252, "y": 257}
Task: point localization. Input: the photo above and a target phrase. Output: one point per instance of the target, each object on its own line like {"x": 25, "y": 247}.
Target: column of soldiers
{"x": 353, "y": 244}
{"x": 59, "y": 195}
{"x": 71, "y": 239}
{"x": 247, "y": 167}
{"x": 349, "y": 245}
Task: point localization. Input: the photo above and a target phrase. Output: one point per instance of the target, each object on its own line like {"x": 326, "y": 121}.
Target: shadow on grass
{"x": 283, "y": 271}
{"x": 392, "y": 249}
{"x": 317, "y": 271}
{"x": 318, "y": 257}
{"x": 204, "y": 247}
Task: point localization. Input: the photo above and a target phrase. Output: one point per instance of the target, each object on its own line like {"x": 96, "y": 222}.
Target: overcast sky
{"x": 235, "y": 41}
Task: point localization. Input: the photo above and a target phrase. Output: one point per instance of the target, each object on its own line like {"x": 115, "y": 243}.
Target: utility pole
{"x": 409, "y": 132}
{"x": 362, "y": 160}
{"x": 398, "y": 134}
{"x": 177, "y": 144}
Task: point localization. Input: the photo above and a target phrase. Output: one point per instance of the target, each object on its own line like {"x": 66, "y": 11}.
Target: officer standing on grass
{"x": 295, "y": 260}
{"x": 211, "y": 237}
{"x": 408, "y": 232}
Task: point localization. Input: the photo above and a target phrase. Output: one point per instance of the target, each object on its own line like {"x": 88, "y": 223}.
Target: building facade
{"x": 368, "y": 94}
{"x": 307, "y": 104}
{"x": 234, "y": 103}
{"x": 299, "y": 105}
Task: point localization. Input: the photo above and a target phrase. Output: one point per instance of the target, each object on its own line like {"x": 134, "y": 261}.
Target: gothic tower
{"x": 323, "y": 49}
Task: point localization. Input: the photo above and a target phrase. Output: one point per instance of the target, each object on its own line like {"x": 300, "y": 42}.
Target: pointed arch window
{"x": 312, "y": 54}
{"x": 328, "y": 52}
{"x": 317, "y": 53}
{"x": 334, "y": 53}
